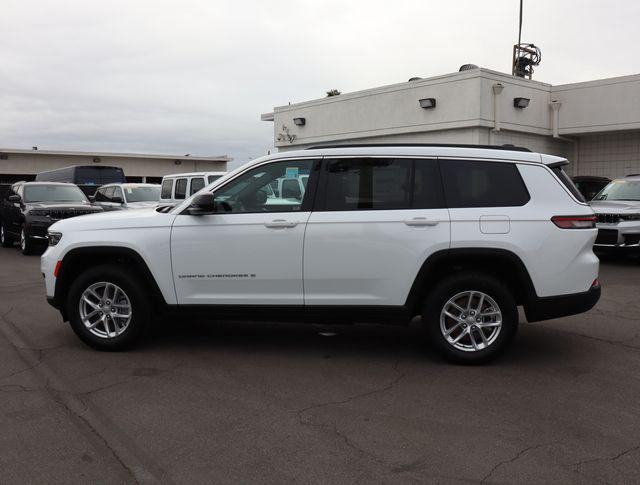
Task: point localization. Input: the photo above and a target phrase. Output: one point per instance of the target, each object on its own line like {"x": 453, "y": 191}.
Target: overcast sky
{"x": 193, "y": 76}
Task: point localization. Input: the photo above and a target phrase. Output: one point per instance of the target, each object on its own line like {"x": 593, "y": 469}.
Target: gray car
{"x": 127, "y": 196}
{"x": 618, "y": 209}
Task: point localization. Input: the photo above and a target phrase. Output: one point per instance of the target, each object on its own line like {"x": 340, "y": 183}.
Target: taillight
{"x": 575, "y": 222}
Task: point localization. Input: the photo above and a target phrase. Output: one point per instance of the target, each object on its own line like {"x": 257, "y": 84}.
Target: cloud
{"x": 194, "y": 76}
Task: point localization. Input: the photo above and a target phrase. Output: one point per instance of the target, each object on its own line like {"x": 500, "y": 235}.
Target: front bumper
{"x": 36, "y": 228}
{"x": 549, "y": 307}
{"x": 621, "y": 236}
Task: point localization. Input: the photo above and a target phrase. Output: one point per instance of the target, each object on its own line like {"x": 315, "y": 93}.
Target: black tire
{"x": 26, "y": 245}
{"x": 458, "y": 284}
{"x": 134, "y": 290}
{"x": 5, "y": 239}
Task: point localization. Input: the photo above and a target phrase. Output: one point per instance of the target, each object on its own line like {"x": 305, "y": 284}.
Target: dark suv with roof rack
{"x": 28, "y": 209}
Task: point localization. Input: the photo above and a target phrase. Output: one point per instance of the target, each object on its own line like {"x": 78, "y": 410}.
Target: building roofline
{"x": 215, "y": 158}
{"x": 440, "y": 79}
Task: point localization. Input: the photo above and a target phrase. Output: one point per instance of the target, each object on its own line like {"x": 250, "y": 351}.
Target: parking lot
{"x": 224, "y": 402}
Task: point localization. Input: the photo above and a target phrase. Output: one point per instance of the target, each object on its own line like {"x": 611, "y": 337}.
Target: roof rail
{"x": 512, "y": 148}
{"x": 632, "y": 175}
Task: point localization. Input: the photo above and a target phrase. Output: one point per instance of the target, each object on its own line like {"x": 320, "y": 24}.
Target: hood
{"x": 147, "y": 204}
{"x": 133, "y": 219}
{"x": 615, "y": 206}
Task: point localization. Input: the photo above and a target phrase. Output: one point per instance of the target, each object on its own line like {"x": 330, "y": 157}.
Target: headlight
{"x": 54, "y": 238}
{"x": 39, "y": 212}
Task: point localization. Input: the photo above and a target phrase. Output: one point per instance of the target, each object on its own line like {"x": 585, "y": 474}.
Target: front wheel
{"x": 107, "y": 308}
{"x": 26, "y": 245}
{"x": 471, "y": 318}
{"x": 5, "y": 239}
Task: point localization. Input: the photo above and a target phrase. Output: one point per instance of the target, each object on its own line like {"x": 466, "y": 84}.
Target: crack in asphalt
{"x": 334, "y": 428}
{"x": 607, "y": 458}
{"x": 515, "y": 458}
{"x": 73, "y": 404}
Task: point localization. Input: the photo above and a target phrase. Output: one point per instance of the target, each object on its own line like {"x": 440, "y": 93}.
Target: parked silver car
{"x": 618, "y": 209}
{"x": 127, "y": 196}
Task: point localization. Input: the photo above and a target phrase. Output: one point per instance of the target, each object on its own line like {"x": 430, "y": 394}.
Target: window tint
{"x": 368, "y": 184}
{"x": 568, "y": 183}
{"x": 213, "y": 178}
{"x": 427, "y": 186}
{"x": 482, "y": 184}
{"x": 252, "y": 191}
{"x": 181, "y": 189}
{"x": 167, "y": 185}
{"x": 196, "y": 184}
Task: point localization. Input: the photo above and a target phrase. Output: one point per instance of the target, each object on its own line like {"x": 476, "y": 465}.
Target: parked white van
{"x": 179, "y": 186}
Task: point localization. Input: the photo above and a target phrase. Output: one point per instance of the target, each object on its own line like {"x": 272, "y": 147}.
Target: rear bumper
{"x": 550, "y": 307}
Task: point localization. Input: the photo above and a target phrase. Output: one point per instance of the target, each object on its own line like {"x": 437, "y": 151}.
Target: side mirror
{"x": 117, "y": 200}
{"x": 202, "y": 205}
{"x": 14, "y": 198}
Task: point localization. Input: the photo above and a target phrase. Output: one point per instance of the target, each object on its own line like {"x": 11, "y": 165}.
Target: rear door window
{"x": 181, "y": 189}
{"x": 382, "y": 184}
{"x": 482, "y": 184}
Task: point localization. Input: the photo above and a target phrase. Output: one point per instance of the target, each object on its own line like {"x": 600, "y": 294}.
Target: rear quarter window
{"x": 482, "y": 184}
{"x": 568, "y": 183}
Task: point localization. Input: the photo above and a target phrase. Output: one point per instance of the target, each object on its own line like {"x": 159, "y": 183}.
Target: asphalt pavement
{"x": 227, "y": 402}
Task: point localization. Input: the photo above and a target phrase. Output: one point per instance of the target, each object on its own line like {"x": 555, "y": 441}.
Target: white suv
{"x": 460, "y": 236}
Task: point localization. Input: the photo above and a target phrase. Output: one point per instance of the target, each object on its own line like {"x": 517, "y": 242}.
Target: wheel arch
{"x": 500, "y": 263}
{"x": 79, "y": 259}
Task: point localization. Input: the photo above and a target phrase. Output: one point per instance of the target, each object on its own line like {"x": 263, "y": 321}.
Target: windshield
{"x": 142, "y": 193}
{"x": 620, "y": 190}
{"x": 53, "y": 193}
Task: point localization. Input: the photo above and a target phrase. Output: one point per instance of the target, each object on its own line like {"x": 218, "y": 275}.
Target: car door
{"x": 249, "y": 252}
{"x": 377, "y": 220}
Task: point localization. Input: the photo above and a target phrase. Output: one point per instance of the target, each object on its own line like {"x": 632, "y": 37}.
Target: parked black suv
{"x": 29, "y": 208}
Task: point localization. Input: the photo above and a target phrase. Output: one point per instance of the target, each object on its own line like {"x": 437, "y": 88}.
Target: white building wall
{"x": 609, "y": 155}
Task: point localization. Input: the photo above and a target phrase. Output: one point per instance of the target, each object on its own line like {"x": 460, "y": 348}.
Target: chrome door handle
{"x": 420, "y": 221}
{"x": 278, "y": 223}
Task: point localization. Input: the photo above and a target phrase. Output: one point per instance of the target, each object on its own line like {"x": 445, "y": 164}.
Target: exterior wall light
{"x": 299, "y": 121}
{"x": 96, "y": 160}
{"x": 4, "y": 156}
{"x": 427, "y": 103}
{"x": 521, "y": 102}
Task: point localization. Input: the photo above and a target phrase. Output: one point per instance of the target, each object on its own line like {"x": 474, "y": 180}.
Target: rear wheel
{"x": 470, "y": 318}
{"x": 5, "y": 239}
{"x": 107, "y": 308}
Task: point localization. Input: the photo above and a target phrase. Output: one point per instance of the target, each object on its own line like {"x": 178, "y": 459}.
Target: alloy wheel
{"x": 105, "y": 310}
{"x": 470, "y": 321}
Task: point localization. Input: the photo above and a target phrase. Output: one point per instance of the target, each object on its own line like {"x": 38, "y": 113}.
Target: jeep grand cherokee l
{"x": 617, "y": 207}
{"x": 29, "y": 208}
{"x": 460, "y": 236}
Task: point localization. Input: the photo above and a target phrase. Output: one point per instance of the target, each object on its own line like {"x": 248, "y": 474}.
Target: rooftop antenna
{"x": 525, "y": 56}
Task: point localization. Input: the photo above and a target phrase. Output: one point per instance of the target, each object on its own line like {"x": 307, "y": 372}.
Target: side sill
{"x": 293, "y": 313}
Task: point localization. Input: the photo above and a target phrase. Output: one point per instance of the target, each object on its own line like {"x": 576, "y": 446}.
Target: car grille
{"x": 615, "y": 218}
{"x": 607, "y": 236}
{"x": 58, "y": 214}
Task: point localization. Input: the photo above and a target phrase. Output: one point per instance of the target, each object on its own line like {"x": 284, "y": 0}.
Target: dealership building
{"x": 18, "y": 165}
{"x": 595, "y": 124}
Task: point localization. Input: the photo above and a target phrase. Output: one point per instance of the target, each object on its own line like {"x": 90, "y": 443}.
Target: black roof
{"x": 512, "y": 148}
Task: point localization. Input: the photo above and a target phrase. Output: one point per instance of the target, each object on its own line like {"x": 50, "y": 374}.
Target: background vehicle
{"x": 178, "y": 186}
{"x": 87, "y": 177}
{"x": 589, "y": 185}
{"x": 127, "y": 196}
{"x": 458, "y": 235}
{"x": 617, "y": 207}
{"x": 29, "y": 208}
